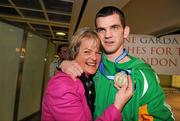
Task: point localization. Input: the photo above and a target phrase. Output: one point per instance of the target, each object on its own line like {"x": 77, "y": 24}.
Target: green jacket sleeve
{"x": 152, "y": 105}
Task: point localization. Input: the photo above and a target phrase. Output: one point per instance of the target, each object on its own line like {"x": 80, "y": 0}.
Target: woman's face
{"x": 89, "y": 55}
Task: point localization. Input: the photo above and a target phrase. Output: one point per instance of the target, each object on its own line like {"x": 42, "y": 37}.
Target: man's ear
{"x": 126, "y": 31}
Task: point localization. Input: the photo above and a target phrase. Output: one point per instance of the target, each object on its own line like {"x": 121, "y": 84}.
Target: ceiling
{"x": 45, "y": 17}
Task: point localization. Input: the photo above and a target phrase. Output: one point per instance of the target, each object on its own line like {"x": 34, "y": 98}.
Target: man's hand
{"x": 124, "y": 94}
{"x": 71, "y": 68}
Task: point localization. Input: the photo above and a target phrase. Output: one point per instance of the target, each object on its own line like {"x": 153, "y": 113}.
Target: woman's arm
{"x": 64, "y": 100}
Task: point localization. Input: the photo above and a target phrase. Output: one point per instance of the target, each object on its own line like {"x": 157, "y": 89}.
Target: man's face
{"x": 111, "y": 33}
{"x": 64, "y": 53}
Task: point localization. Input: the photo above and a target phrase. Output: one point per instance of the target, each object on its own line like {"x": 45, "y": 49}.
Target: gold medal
{"x": 120, "y": 78}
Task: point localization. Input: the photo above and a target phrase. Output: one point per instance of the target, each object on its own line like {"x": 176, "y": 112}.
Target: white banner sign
{"x": 163, "y": 54}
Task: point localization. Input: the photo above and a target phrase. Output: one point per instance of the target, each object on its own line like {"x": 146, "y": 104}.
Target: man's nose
{"x": 108, "y": 33}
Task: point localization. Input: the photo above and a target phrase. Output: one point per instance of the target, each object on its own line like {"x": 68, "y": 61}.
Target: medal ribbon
{"x": 119, "y": 58}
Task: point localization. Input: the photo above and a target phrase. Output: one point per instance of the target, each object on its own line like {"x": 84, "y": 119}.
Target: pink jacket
{"x": 65, "y": 100}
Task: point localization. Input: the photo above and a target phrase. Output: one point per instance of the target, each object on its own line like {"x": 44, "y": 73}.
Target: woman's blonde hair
{"x": 76, "y": 39}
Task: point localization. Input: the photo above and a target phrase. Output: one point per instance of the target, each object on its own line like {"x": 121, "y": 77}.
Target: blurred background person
{"x": 62, "y": 54}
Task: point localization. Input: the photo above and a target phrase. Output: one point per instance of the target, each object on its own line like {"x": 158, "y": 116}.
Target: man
{"x": 62, "y": 52}
{"x": 148, "y": 101}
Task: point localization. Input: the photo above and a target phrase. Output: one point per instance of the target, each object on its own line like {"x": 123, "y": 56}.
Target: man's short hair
{"x": 109, "y": 10}
{"x": 60, "y": 46}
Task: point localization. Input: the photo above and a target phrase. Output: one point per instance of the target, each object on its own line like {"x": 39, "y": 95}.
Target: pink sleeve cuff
{"x": 110, "y": 114}
{"x": 115, "y": 113}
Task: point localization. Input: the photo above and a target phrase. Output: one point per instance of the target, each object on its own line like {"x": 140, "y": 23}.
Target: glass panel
{"x": 10, "y": 42}
{"x": 30, "y": 97}
{"x": 51, "y": 52}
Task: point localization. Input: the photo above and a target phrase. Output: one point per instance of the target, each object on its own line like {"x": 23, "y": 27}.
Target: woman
{"x": 66, "y": 99}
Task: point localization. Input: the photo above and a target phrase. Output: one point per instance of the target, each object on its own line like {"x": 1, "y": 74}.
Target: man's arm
{"x": 113, "y": 112}
{"x": 51, "y": 70}
{"x": 71, "y": 68}
{"x": 152, "y": 101}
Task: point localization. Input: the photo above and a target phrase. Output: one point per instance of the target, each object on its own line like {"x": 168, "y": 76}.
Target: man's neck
{"x": 112, "y": 57}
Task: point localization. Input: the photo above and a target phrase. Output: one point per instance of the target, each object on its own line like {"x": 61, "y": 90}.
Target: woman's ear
{"x": 126, "y": 31}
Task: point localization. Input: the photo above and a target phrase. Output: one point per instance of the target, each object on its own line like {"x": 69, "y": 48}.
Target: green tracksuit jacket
{"x": 148, "y": 100}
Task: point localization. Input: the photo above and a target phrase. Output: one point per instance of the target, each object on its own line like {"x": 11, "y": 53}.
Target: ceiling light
{"x": 30, "y": 35}
{"x": 60, "y": 33}
{"x": 11, "y": 30}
